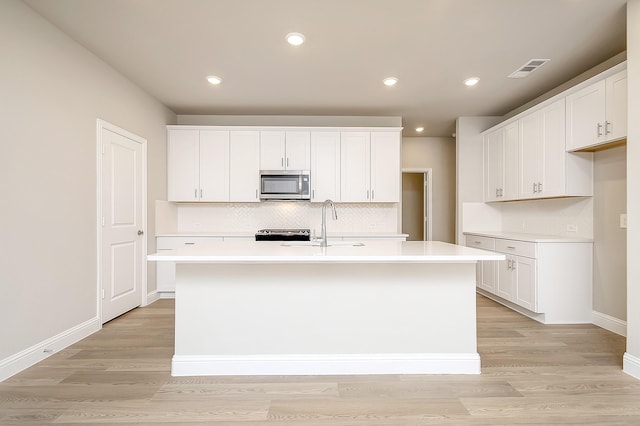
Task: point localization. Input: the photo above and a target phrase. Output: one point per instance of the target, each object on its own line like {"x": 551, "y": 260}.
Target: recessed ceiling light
{"x": 295, "y": 39}
{"x": 214, "y": 79}
{"x": 472, "y": 81}
{"x": 390, "y": 81}
{"x": 419, "y": 129}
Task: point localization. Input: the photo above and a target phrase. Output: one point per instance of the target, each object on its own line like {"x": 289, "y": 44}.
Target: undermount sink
{"x": 317, "y": 244}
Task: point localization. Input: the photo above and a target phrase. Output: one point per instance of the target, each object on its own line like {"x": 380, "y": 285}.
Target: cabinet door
{"x": 525, "y": 283}
{"x": 494, "y": 165}
{"x": 554, "y": 174}
{"x": 531, "y": 150}
{"x": 325, "y": 166}
{"x": 505, "y": 278}
{"x": 488, "y": 278}
{"x": 272, "y": 150}
{"x": 182, "y": 165}
{"x": 298, "y": 151}
{"x": 586, "y": 116}
{"x": 355, "y": 167}
{"x": 214, "y": 165}
{"x": 385, "y": 167}
{"x": 244, "y": 166}
{"x": 616, "y": 106}
{"x": 511, "y": 146}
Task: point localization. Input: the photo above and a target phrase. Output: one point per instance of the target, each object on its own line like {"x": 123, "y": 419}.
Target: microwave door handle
{"x": 300, "y": 184}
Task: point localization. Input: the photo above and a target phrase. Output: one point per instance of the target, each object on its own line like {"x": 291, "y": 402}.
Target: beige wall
{"x": 438, "y": 154}
{"x": 632, "y": 357}
{"x": 53, "y": 90}
{"x": 610, "y": 246}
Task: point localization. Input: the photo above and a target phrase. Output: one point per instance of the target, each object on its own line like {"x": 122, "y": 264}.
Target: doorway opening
{"x": 416, "y": 204}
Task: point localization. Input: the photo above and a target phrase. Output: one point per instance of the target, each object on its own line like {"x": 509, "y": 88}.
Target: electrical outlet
{"x": 623, "y": 220}
{"x": 572, "y": 227}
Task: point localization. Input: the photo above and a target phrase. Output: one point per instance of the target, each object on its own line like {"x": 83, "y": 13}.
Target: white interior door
{"x": 123, "y": 263}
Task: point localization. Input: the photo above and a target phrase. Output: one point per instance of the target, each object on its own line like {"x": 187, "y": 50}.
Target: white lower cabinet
{"x": 166, "y": 271}
{"x": 551, "y": 278}
{"x": 485, "y": 269}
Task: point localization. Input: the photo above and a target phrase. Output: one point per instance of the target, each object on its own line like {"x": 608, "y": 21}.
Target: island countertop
{"x": 340, "y": 252}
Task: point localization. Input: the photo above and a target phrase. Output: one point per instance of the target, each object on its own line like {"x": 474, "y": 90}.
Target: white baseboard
{"x": 36, "y": 353}
{"x": 631, "y": 365}
{"x": 610, "y": 323}
{"x": 167, "y": 294}
{"x": 152, "y": 297}
{"x": 325, "y": 364}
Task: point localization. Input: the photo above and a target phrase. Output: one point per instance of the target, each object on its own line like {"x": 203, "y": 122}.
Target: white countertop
{"x": 534, "y": 238}
{"x": 370, "y": 252}
{"x": 252, "y": 234}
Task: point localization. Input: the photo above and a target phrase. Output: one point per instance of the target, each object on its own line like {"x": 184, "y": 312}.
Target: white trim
{"x": 428, "y": 203}
{"x": 152, "y": 297}
{"x": 631, "y": 365}
{"x": 166, "y": 294}
{"x": 36, "y": 353}
{"x": 100, "y": 125}
{"x": 325, "y": 364}
{"x": 614, "y": 325}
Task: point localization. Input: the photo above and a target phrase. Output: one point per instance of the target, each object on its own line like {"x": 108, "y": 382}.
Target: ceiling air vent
{"x": 528, "y": 68}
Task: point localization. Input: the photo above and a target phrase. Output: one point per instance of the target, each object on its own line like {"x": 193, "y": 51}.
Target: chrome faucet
{"x": 323, "y": 231}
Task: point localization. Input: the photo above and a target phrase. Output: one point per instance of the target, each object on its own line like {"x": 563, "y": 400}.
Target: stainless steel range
{"x": 283, "y": 235}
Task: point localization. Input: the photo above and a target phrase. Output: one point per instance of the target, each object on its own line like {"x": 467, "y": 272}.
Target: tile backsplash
{"x": 249, "y": 217}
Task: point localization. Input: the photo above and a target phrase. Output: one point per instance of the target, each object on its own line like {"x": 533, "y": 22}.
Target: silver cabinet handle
{"x": 606, "y": 127}
{"x": 373, "y": 194}
{"x": 367, "y": 194}
{"x": 256, "y": 194}
{"x": 511, "y": 247}
{"x": 497, "y": 192}
{"x": 501, "y": 192}
{"x": 599, "y": 130}
{"x": 287, "y": 161}
{"x": 140, "y": 232}
{"x": 313, "y": 194}
{"x": 282, "y": 161}
{"x": 195, "y": 193}
{"x": 189, "y": 244}
{"x": 535, "y": 190}
{"x": 200, "y": 192}
{"x": 539, "y": 187}
{"x": 476, "y": 242}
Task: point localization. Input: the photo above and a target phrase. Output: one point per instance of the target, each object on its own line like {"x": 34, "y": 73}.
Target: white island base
{"x": 329, "y": 314}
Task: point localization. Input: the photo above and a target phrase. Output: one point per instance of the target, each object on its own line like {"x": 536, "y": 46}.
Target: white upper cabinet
{"x": 501, "y": 163}
{"x": 244, "y": 166}
{"x": 222, "y": 164}
{"x": 214, "y": 165}
{"x": 370, "y": 167}
{"x": 355, "y": 166}
{"x": 597, "y": 114}
{"x": 546, "y": 169}
{"x": 284, "y": 150}
{"x": 197, "y": 166}
{"x": 385, "y": 167}
{"x": 325, "y": 166}
{"x": 183, "y": 174}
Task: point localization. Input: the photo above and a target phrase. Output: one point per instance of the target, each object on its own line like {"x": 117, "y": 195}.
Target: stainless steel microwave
{"x": 284, "y": 185}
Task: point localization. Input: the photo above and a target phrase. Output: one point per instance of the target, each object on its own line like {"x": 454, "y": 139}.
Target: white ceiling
{"x": 168, "y": 47}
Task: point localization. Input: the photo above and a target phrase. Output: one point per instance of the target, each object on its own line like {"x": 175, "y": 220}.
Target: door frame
{"x": 427, "y": 210}
{"x": 100, "y": 126}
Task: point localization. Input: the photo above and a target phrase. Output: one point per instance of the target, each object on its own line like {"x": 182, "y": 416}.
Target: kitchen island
{"x": 385, "y": 307}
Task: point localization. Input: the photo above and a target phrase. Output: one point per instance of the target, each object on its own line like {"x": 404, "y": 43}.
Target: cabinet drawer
{"x": 518, "y": 248}
{"x": 170, "y": 243}
{"x": 484, "y": 243}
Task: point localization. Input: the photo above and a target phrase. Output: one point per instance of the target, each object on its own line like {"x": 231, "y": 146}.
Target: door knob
{"x": 140, "y": 232}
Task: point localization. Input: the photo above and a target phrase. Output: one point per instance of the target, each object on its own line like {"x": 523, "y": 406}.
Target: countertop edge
{"x": 533, "y": 238}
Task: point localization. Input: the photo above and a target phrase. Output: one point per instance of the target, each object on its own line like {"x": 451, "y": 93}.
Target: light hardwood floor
{"x": 532, "y": 374}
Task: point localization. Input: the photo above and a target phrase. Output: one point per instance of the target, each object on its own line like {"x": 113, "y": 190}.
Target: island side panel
{"x": 333, "y": 318}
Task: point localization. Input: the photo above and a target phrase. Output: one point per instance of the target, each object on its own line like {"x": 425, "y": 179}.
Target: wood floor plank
{"x": 531, "y": 374}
